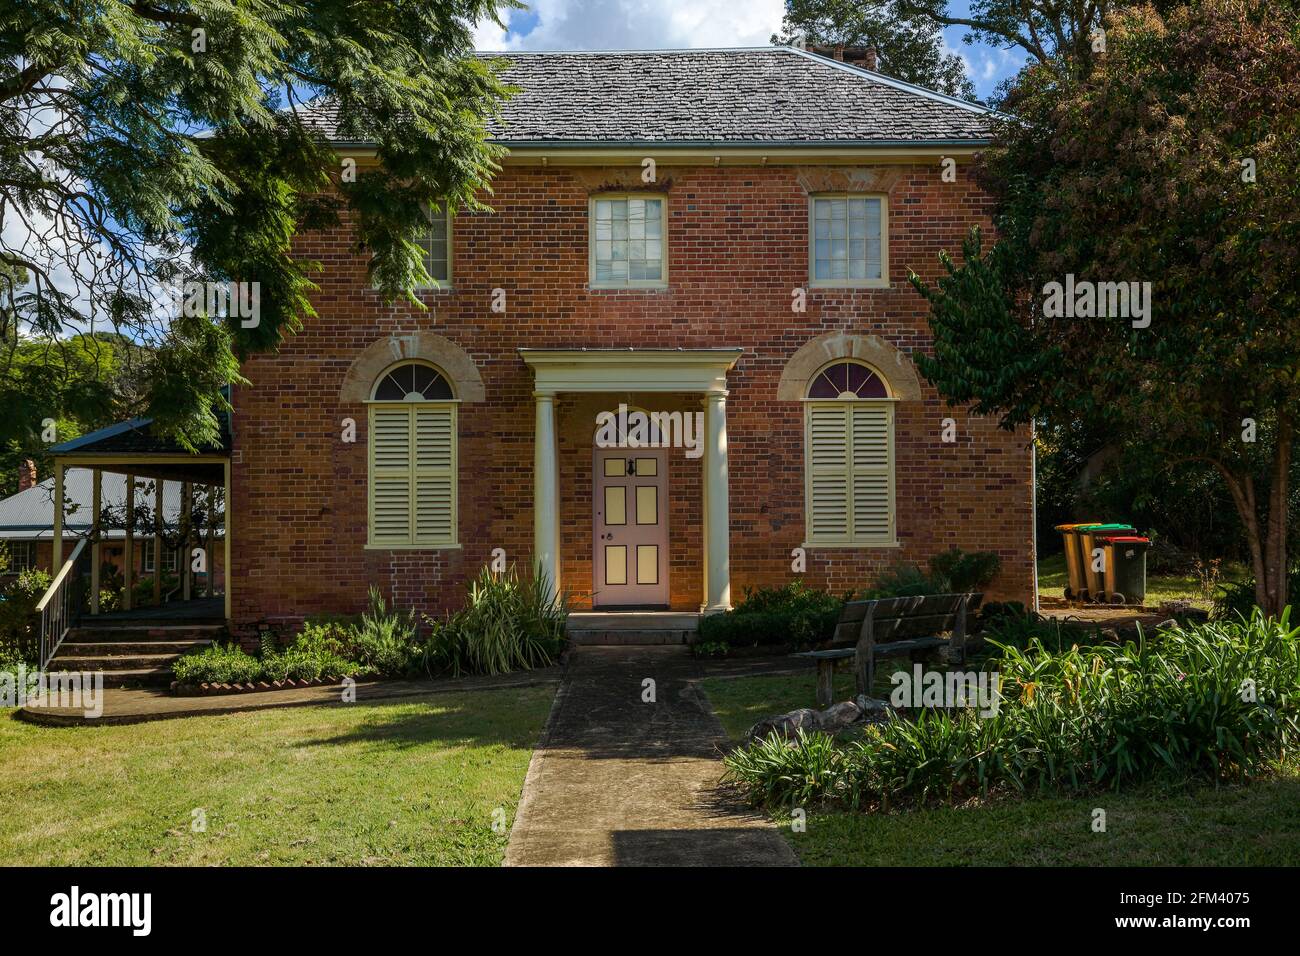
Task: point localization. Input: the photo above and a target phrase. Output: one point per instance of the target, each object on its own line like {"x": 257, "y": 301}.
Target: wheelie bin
{"x": 1077, "y": 588}
{"x": 1126, "y": 568}
{"x": 1094, "y": 577}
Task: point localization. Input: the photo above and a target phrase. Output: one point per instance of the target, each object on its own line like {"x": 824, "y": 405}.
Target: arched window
{"x": 849, "y": 457}
{"x": 412, "y": 458}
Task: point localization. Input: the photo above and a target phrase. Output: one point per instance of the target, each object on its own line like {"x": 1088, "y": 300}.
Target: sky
{"x": 676, "y": 24}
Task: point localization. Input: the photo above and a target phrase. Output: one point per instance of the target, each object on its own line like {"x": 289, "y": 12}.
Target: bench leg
{"x": 825, "y": 683}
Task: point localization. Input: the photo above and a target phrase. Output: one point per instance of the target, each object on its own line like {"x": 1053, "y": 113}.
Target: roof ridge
{"x": 974, "y": 107}
{"x": 689, "y": 49}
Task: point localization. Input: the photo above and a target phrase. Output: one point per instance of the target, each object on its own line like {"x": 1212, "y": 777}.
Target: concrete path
{"x": 619, "y": 781}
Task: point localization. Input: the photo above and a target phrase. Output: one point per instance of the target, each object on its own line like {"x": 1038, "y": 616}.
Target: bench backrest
{"x": 897, "y": 619}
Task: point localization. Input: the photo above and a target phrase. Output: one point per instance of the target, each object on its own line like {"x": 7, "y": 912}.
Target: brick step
{"x": 133, "y": 662}
{"x": 127, "y": 648}
{"x": 656, "y": 636}
{"x": 153, "y": 633}
{"x": 133, "y": 677}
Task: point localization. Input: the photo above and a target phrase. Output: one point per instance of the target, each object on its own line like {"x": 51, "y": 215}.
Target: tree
{"x": 148, "y": 150}
{"x": 1170, "y": 162}
{"x": 909, "y": 49}
{"x": 1057, "y": 35}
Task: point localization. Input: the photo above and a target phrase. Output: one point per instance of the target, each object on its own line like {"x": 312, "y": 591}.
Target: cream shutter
{"x": 412, "y": 474}
{"x": 390, "y": 474}
{"x": 850, "y": 472}
{"x": 435, "y": 497}
{"x": 827, "y": 447}
{"x": 873, "y": 512}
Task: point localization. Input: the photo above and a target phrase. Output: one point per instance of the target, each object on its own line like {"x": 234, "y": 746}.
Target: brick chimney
{"x": 860, "y": 56}
{"x": 26, "y": 474}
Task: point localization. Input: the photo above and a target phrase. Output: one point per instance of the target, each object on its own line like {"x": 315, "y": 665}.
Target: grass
{"x": 1255, "y": 825}
{"x": 403, "y": 783}
{"x": 1160, "y": 587}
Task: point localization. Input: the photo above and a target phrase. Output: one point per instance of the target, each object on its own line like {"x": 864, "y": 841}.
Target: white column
{"x": 546, "y": 491}
{"x": 96, "y": 487}
{"x": 717, "y": 508}
{"x": 183, "y": 558}
{"x": 128, "y": 559}
{"x": 226, "y": 510}
{"x": 158, "y": 486}
{"x": 57, "y": 543}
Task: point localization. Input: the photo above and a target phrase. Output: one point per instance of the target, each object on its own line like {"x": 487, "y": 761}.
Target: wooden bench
{"x": 888, "y": 627}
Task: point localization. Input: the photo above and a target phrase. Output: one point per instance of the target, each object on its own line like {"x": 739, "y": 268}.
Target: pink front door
{"x": 631, "y": 528}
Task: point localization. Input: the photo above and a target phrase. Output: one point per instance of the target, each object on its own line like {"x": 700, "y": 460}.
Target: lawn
{"x": 1160, "y": 587}
{"x": 1257, "y": 825}
{"x": 403, "y": 783}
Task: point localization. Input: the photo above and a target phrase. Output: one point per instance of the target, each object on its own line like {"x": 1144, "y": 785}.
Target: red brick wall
{"x": 737, "y": 246}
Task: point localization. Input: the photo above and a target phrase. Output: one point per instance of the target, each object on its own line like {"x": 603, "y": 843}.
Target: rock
{"x": 831, "y": 720}
{"x": 804, "y": 718}
{"x": 838, "y": 716}
{"x": 872, "y": 709}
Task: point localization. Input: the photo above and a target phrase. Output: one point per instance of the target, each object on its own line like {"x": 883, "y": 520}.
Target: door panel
{"x": 630, "y": 558}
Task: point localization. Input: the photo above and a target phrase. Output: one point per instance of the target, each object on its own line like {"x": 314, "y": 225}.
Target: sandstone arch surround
{"x": 430, "y": 347}
{"x": 893, "y": 365}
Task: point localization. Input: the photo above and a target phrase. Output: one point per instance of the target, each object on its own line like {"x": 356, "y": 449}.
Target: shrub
{"x": 11, "y": 660}
{"x": 142, "y": 590}
{"x": 792, "y": 614}
{"x": 952, "y": 572}
{"x": 218, "y": 664}
{"x": 507, "y": 624}
{"x": 956, "y": 571}
{"x": 18, "y": 627}
{"x": 384, "y": 640}
{"x": 308, "y": 661}
{"x": 1213, "y": 701}
{"x": 902, "y": 580}
{"x": 1237, "y": 598}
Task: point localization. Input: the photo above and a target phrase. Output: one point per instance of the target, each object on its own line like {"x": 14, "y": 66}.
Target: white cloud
{"x": 639, "y": 25}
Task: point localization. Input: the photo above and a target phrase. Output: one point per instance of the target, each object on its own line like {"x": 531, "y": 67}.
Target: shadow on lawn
{"x": 438, "y": 721}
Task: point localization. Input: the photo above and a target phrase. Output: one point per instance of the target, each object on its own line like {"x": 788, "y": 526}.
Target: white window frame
{"x": 847, "y": 283}
{"x": 15, "y": 565}
{"x": 442, "y": 285}
{"x": 662, "y": 281}
{"x": 146, "y": 557}
{"x": 453, "y": 404}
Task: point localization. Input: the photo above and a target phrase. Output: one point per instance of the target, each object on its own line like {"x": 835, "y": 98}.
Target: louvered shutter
{"x": 435, "y": 499}
{"x": 390, "y": 474}
{"x": 412, "y": 474}
{"x": 850, "y": 477}
{"x": 873, "y": 513}
{"x": 828, "y": 473}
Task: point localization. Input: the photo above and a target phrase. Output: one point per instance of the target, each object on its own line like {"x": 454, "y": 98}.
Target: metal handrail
{"x": 58, "y": 608}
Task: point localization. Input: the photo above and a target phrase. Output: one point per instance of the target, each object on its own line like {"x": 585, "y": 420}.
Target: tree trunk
{"x": 1276, "y": 561}
{"x": 1268, "y": 547}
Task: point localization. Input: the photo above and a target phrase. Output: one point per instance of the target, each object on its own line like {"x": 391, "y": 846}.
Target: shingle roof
{"x": 768, "y": 96}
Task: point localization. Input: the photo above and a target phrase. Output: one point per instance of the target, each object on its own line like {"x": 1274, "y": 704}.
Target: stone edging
{"x": 210, "y": 690}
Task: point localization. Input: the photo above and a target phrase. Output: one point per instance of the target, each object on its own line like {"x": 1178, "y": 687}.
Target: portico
{"x": 694, "y": 371}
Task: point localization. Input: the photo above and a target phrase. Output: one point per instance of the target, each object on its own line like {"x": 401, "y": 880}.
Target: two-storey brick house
{"x": 722, "y": 234}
